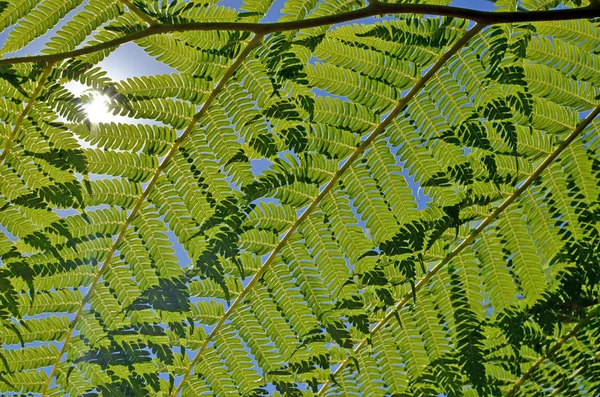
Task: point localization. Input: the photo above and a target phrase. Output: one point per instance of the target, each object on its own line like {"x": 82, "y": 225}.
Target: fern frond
{"x": 73, "y": 33}
{"x": 346, "y": 83}
{"x": 524, "y": 260}
{"x": 46, "y": 14}
{"x": 497, "y": 278}
{"x": 543, "y": 81}
{"x": 136, "y": 167}
{"x": 113, "y": 192}
{"x": 291, "y": 302}
{"x": 149, "y": 139}
{"x": 41, "y": 330}
{"x": 23, "y": 382}
{"x": 14, "y": 11}
{"x": 180, "y": 86}
{"x": 565, "y": 58}
{"x": 232, "y": 354}
{"x": 332, "y": 204}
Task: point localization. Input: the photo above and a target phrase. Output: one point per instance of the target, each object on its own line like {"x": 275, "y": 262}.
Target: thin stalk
{"x": 552, "y": 351}
{"x": 373, "y": 9}
{"x": 330, "y": 185}
{"x": 144, "y": 17}
{"x": 470, "y": 239}
{"x": 230, "y": 71}
{"x": 19, "y": 123}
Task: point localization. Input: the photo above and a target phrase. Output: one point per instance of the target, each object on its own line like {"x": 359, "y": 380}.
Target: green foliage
{"x": 404, "y": 206}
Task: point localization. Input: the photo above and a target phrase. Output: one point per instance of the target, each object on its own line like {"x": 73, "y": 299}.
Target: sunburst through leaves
{"x": 299, "y": 198}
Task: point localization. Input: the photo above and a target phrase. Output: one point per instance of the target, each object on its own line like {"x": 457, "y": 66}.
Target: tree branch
{"x": 470, "y": 239}
{"x": 373, "y": 9}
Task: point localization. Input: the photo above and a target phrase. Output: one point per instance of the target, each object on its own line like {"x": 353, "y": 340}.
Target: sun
{"x": 97, "y": 109}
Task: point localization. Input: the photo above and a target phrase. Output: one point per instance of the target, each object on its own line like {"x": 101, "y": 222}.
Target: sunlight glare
{"x": 97, "y": 109}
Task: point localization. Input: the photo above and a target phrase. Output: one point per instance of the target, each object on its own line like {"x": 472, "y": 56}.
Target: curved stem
{"x": 19, "y": 123}
{"x": 470, "y": 239}
{"x": 218, "y": 88}
{"x": 373, "y": 9}
{"x": 328, "y": 187}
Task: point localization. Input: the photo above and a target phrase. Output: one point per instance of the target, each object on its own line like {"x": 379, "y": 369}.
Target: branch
{"x": 228, "y": 73}
{"x": 466, "y": 242}
{"x": 325, "y": 191}
{"x": 19, "y": 122}
{"x": 551, "y": 351}
{"x": 373, "y": 9}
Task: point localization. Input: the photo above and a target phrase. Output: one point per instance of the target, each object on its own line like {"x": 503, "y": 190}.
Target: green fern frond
{"x": 36, "y": 22}
{"x": 135, "y": 167}
{"x": 180, "y": 86}
{"x": 73, "y": 33}
{"x": 13, "y": 12}
{"x": 360, "y": 199}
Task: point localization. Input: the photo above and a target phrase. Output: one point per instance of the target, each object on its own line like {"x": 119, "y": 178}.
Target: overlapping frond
{"x": 401, "y": 206}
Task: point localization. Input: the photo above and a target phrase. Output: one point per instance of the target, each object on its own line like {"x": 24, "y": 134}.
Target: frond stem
{"x": 19, "y": 123}
{"x": 373, "y": 9}
{"x": 218, "y": 88}
{"x": 470, "y": 239}
{"x": 144, "y": 17}
{"x": 328, "y": 187}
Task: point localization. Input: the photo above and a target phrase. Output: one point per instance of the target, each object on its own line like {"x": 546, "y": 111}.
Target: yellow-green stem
{"x": 219, "y": 87}
{"x": 328, "y": 187}
{"x": 19, "y": 123}
{"x": 469, "y": 240}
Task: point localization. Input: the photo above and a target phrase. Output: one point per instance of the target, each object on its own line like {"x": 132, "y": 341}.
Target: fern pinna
{"x": 323, "y": 198}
